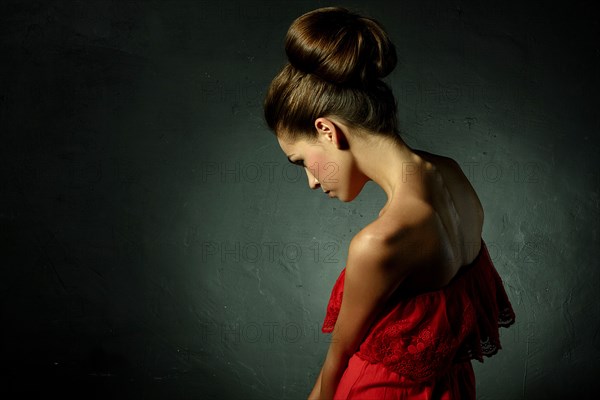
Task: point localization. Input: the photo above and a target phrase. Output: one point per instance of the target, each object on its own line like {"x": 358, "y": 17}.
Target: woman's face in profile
{"x": 326, "y": 167}
{"x": 311, "y": 157}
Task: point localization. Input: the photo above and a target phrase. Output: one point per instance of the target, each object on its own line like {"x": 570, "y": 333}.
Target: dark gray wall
{"x": 156, "y": 243}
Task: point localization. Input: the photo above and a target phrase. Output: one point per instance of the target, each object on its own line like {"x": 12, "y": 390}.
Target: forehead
{"x": 299, "y": 146}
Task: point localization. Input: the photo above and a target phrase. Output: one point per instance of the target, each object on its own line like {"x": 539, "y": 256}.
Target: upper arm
{"x": 374, "y": 270}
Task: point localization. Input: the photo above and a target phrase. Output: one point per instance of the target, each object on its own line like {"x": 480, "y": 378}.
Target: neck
{"x": 387, "y": 161}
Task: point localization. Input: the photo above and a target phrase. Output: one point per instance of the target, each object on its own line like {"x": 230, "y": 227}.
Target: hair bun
{"x": 340, "y": 46}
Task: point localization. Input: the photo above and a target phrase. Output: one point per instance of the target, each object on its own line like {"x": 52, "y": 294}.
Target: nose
{"x": 313, "y": 182}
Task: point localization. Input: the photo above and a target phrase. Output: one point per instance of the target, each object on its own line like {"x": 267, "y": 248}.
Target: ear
{"x": 330, "y": 131}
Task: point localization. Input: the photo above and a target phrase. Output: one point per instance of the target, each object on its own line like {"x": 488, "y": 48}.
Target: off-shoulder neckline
{"x": 463, "y": 270}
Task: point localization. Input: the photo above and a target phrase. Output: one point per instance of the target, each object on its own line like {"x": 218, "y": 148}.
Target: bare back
{"x": 460, "y": 221}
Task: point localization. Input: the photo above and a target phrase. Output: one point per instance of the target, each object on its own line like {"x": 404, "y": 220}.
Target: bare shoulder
{"x": 380, "y": 258}
{"x": 398, "y": 240}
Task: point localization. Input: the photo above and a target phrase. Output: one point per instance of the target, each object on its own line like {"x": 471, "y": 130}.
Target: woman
{"x": 419, "y": 296}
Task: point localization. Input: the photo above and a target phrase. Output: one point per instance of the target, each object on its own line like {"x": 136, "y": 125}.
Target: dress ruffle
{"x": 420, "y": 337}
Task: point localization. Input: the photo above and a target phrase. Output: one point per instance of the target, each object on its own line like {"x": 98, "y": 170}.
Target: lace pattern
{"x": 421, "y": 337}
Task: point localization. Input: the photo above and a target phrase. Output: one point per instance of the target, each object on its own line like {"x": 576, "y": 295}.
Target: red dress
{"x": 421, "y": 347}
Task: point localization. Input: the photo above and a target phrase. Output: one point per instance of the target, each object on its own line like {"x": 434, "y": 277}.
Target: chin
{"x": 348, "y": 197}
{"x": 351, "y": 195}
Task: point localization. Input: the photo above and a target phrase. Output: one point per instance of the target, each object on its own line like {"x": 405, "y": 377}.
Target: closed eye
{"x": 297, "y": 162}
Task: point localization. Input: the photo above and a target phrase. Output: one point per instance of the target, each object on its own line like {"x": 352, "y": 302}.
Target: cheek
{"x": 329, "y": 171}
{"x": 318, "y": 166}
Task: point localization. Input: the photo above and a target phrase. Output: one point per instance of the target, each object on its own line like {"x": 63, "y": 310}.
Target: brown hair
{"x": 336, "y": 61}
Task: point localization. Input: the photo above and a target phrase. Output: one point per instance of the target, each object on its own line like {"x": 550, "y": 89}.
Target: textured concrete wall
{"x": 157, "y": 244}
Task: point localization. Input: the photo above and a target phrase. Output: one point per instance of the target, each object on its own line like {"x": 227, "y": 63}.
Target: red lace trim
{"x": 422, "y": 336}
{"x": 335, "y": 303}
